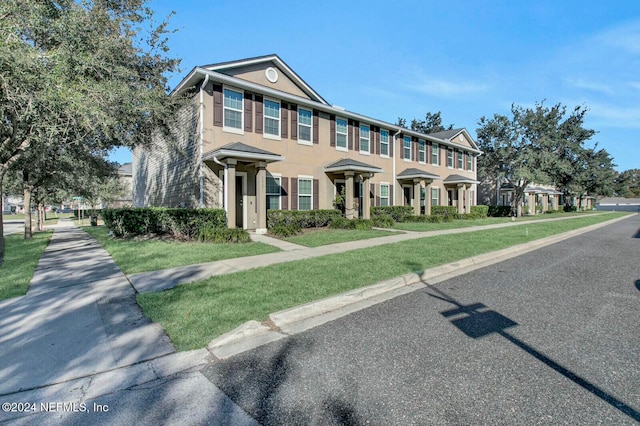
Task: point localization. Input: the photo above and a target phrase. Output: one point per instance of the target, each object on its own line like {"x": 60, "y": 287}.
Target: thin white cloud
{"x": 625, "y": 37}
{"x": 581, "y": 83}
{"x": 614, "y": 115}
{"x": 635, "y": 84}
{"x": 445, "y": 89}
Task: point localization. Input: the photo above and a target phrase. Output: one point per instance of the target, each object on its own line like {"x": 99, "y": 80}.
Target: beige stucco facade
{"x": 310, "y": 172}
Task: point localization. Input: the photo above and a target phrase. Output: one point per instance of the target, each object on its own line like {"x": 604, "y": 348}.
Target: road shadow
{"x": 477, "y": 320}
{"x": 638, "y": 284}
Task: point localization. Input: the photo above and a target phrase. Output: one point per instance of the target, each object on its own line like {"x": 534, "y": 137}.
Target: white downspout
{"x": 201, "y": 171}
{"x": 224, "y": 184}
{"x": 395, "y": 156}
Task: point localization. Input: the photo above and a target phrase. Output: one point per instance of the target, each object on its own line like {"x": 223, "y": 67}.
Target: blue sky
{"x": 467, "y": 59}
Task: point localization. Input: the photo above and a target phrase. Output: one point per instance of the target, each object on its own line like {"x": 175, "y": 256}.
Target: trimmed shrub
{"x": 383, "y": 221}
{"x": 570, "y": 209}
{"x": 480, "y": 210}
{"x": 180, "y": 223}
{"x": 499, "y": 211}
{"x": 302, "y": 218}
{"x": 397, "y": 213}
{"x": 447, "y": 211}
{"x": 344, "y": 223}
{"x": 284, "y": 230}
{"x": 211, "y": 234}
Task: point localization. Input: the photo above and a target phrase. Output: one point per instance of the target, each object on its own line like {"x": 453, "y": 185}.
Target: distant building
{"x": 125, "y": 177}
{"x": 619, "y": 204}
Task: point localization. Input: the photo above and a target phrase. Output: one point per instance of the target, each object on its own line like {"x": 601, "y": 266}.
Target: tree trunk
{"x": 28, "y": 233}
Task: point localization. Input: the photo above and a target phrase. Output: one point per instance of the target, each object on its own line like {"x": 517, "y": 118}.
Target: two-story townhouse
{"x": 259, "y": 137}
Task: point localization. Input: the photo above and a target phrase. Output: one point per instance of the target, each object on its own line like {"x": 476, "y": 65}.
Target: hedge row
{"x": 179, "y": 223}
{"x": 398, "y": 213}
{"x": 344, "y": 223}
{"x": 480, "y": 210}
{"x": 499, "y": 211}
{"x": 301, "y": 218}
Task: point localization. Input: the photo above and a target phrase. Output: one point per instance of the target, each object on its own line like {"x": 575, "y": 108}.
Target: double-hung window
{"x": 422, "y": 151}
{"x": 406, "y": 146}
{"x": 469, "y": 162}
{"x": 271, "y": 118}
{"x": 435, "y": 158}
{"x": 384, "y": 143}
{"x": 364, "y": 138}
{"x": 305, "y": 128}
{"x": 341, "y": 134}
{"x": 305, "y": 193}
{"x": 435, "y": 196}
{"x": 450, "y": 158}
{"x": 460, "y": 160}
{"x": 233, "y": 109}
{"x": 273, "y": 193}
{"x": 384, "y": 195}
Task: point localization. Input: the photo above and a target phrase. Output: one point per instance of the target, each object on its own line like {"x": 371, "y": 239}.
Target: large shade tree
{"x": 432, "y": 123}
{"x": 543, "y": 145}
{"x": 90, "y": 74}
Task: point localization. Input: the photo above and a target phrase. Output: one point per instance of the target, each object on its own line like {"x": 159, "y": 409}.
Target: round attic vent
{"x": 271, "y": 74}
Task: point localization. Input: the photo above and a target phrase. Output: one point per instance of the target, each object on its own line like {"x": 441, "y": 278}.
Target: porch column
{"x": 532, "y": 204}
{"x": 416, "y": 197}
{"x": 349, "y": 211}
{"x": 545, "y": 205}
{"x": 460, "y": 199}
{"x": 366, "y": 201}
{"x": 231, "y": 192}
{"x": 261, "y": 197}
{"x": 467, "y": 204}
{"x": 427, "y": 199}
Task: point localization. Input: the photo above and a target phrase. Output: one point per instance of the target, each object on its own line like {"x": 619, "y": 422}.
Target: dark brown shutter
{"x": 392, "y": 144}
{"x": 217, "y": 105}
{"x": 294, "y": 193}
{"x": 284, "y": 193}
{"x": 372, "y": 192}
{"x": 356, "y": 136}
{"x": 350, "y": 137}
{"x": 259, "y": 111}
{"x": 376, "y": 148}
{"x": 284, "y": 126}
{"x": 332, "y": 129}
{"x": 414, "y": 146}
{"x": 391, "y": 203}
{"x": 401, "y": 146}
{"x": 427, "y": 156}
{"x": 316, "y": 127}
{"x": 294, "y": 122}
{"x": 316, "y": 192}
{"x": 443, "y": 152}
{"x": 248, "y": 112}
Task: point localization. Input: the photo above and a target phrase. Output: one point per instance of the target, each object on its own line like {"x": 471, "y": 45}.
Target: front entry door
{"x": 406, "y": 190}
{"x": 239, "y": 202}
{"x": 357, "y": 196}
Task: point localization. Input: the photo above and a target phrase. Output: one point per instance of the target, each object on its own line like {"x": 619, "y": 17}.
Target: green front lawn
{"x": 424, "y": 227}
{"x": 193, "y": 314}
{"x": 20, "y": 260}
{"x": 133, "y": 256}
{"x": 326, "y": 236}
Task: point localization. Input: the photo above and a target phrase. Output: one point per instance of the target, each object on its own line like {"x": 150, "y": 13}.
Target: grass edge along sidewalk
{"x": 195, "y": 313}
{"x": 21, "y": 258}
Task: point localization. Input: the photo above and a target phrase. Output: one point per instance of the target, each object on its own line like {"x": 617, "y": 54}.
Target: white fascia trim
{"x": 469, "y": 181}
{"x": 225, "y": 153}
{"x": 420, "y": 176}
{"x": 354, "y": 169}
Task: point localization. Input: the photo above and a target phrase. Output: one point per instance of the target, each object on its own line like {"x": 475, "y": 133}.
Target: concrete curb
{"x": 297, "y": 319}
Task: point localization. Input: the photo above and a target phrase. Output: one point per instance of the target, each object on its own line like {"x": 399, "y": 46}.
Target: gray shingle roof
{"x": 446, "y": 134}
{"x": 417, "y": 173}
{"x": 459, "y": 179}
{"x": 241, "y": 147}
{"x": 345, "y": 164}
{"x": 125, "y": 169}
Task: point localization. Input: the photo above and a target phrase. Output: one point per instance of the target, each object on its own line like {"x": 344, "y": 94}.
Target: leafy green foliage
{"x": 398, "y": 213}
{"x": 179, "y": 223}
{"x": 284, "y": 230}
{"x": 209, "y": 233}
{"x": 480, "y": 210}
{"x": 434, "y": 218}
{"x": 627, "y": 184}
{"x": 301, "y": 218}
{"x": 382, "y": 221}
{"x": 499, "y": 211}
{"x": 432, "y": 123}
{"x": 344, "y": 223}
{"x": 447, "y": 211}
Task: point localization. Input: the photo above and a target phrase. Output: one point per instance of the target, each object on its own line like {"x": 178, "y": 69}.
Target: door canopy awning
{"x": 458, "y": 179}
{"x": 414, "y": 173}
{"x": 349, "y": 165}
{"x": 242, "y": 152}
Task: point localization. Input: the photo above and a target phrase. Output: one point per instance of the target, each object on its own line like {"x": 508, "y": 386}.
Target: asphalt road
{"x": 13, "y": 226}
{"x": 550, "y": 337}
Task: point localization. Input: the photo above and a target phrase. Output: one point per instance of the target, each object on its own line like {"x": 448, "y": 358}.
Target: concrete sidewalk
{"x": 79, "y": 318}
{"x": 169, "y": 278}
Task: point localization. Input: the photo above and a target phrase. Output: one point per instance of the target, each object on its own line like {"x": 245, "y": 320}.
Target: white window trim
{"x": 453, "y": 158}
{"x": 407, "y": 160}
{"x": 388, "y": 185}
{"x": 469, "y": 163}
{"x": 305, "y": 178}
{"x": 388, "y": 143}
{"x": 279, "y": 177}
{"x": 367, "y": 152}
{"x": 303, "y": 142}
{"x": 460, "y": 160}
{"x": 239, "y": 131}
{"x": 438, "y": 192}
{"x": 437, "y": 146}
{"x": 346, "y": 134}
{"x": 264, "y": 120}
{"x": 424, "y": 144}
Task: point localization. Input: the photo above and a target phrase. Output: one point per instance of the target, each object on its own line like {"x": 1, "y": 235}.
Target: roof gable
{"x": 457, "y": 136}
{"x": 269, "y": 71}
